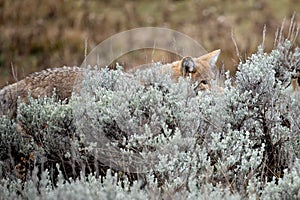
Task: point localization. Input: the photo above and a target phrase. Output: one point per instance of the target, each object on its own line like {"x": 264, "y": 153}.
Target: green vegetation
{"x": 117, "y": 138}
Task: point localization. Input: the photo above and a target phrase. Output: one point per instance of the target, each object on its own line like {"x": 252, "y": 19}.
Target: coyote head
{"x": 199, "y": 69}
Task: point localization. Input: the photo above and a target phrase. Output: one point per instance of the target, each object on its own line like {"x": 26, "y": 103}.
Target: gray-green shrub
{"x": 162, "y": 139}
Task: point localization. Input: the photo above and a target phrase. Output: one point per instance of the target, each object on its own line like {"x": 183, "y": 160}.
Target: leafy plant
{"x": 144, "y": 136}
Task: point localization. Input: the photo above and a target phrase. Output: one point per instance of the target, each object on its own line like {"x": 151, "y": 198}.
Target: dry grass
{"x": 35, "y": 35}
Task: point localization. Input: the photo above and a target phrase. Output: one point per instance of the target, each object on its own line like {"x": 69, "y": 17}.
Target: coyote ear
{"x": 187, "y": 65}
{"x": 214, "y": 58}
{"x": 211, "y": 57}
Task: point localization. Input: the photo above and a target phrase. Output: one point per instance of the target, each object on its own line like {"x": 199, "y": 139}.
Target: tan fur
{"x": 203, "y": 71}
{"x": 62, "y": 80}
{"x": 40, "y": 84}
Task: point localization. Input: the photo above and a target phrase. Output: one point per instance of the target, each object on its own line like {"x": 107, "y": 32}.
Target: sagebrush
{"x": 117, "y": 138}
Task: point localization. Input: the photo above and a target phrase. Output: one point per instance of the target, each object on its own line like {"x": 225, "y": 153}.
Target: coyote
{"x": 62, "y": 80}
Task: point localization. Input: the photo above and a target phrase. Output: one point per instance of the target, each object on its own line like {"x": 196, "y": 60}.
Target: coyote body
{"x": 63, "y": 80}
{"x": 39, "y": 84}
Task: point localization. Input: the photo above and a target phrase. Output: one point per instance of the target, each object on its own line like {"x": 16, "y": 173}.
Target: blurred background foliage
{"x": 36, "y": 35}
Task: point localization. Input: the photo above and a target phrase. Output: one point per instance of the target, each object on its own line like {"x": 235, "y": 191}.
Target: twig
{"x": 13, "y": 72}
{"x": 236, "y": 46}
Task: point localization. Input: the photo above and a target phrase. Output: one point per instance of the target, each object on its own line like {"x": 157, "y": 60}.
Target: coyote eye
{"x": 205, "y": 82}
